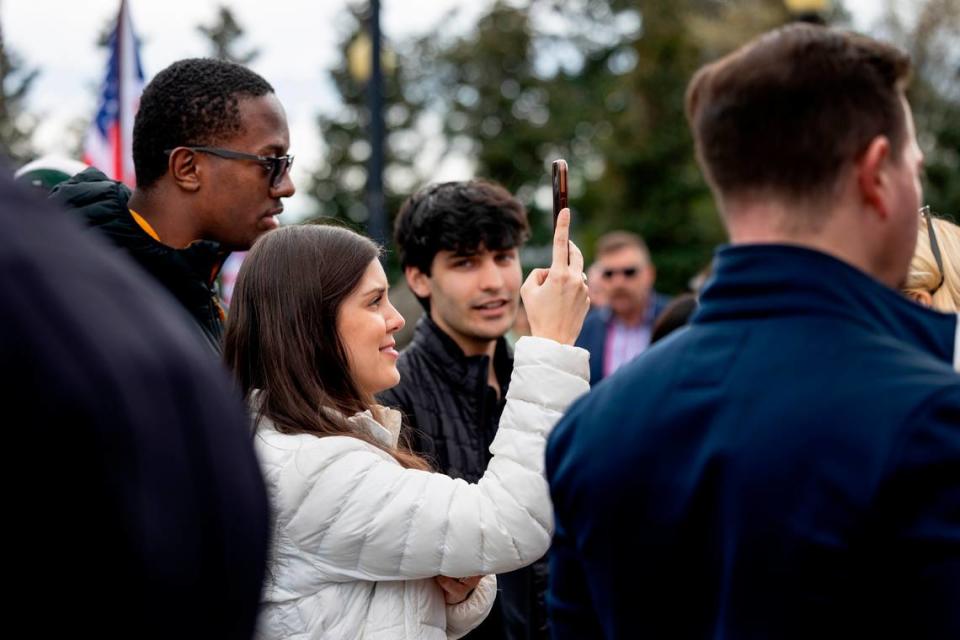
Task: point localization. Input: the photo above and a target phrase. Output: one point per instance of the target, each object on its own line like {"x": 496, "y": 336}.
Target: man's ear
{"x": 873, "y": 177}
{"x": 184, "y": 170}
{"x": 418, "y": 281}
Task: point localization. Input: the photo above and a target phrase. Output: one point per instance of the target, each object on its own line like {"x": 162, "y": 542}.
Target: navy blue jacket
{"x": 787, "y": 466}
{"x": 593, "y": 335}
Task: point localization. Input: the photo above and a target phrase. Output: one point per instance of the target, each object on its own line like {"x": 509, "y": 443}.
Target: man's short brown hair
{"x": 616, "y": 240}
{"x": 786, "y": 112}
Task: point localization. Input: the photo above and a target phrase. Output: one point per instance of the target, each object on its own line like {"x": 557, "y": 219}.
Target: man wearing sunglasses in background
{"x": 619, "y": 332}
{"x": 210, "y": 151}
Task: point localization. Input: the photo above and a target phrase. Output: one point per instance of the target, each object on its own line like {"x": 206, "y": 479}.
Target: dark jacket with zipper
{"x": 788, "y": 466}
{"x": 451, "y": 415}
{"x": 189, "y": 274}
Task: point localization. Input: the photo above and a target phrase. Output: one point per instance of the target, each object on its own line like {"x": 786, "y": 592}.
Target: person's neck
{"x": 632, "y": 318}
{"x": 162, "y": 211}
{"x": 839, "y": 233}
{"x": 474, "y": 347}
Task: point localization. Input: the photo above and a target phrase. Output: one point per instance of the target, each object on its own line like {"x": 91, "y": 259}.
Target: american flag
{"x": 108, "y": 143}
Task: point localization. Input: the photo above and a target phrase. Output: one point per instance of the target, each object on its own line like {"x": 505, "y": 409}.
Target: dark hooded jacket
{"x": 188, "y": 274}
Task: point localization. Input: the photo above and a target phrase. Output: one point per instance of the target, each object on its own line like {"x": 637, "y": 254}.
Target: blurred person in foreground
{"x": 620, "y": 331}
{"x": 459, "y": 244}
{"x": 934, "y": 276}
{"x": 368, "y": 541}
{"x": 139, "y": 500}
{"x": 210, "y": 144}
{"x": 788, "y": 466}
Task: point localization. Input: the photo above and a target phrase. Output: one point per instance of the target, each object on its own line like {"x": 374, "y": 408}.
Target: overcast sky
{"x": 296, "y": 38}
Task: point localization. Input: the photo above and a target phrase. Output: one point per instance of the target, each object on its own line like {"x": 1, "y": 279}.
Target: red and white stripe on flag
{"x": 108, "y": 145}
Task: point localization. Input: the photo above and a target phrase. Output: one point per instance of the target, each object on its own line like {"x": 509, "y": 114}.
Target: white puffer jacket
{"x": 357, "y": 539}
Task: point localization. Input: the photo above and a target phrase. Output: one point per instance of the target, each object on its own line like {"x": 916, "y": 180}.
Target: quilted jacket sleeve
{"x": 360, "y": 516}
{"x": 465, "y": 616}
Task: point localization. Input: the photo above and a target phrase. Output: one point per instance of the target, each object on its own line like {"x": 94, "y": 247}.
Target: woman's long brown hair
{"x": 281, "y": 336}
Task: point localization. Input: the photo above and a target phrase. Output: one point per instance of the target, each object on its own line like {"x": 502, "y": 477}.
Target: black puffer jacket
{"x": 450, "y": 412}
{"x": 188, "y": 274}
{"x": 450, "y": 417}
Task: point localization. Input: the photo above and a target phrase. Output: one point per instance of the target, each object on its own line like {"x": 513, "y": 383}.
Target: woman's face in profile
{"x": 366, "y": 324}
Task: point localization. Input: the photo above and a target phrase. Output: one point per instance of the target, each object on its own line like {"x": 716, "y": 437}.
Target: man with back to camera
{"x": 459, "y": 247}
{"x": 618, "y": 332}
{"x": 210, "y": 144}
{"x": 789, "y": 465}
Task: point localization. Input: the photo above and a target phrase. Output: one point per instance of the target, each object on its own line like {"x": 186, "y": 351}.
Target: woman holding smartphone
{"x": 367, "y": 542}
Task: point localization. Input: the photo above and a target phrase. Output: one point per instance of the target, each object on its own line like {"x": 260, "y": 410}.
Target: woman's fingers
{"x": 576, "y": 259}
{"x": 456, "y": 590}
{"x": 561, "y": 239}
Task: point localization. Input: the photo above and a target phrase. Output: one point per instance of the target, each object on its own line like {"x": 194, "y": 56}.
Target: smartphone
{"x": 559, "y": 188}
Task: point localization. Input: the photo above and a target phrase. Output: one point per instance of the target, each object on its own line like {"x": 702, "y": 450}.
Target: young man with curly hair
{"x": 459, "y": 245}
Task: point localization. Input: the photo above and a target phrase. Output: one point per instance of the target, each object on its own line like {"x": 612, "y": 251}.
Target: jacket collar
{"x": 461, "y": 370}
{"x": 104, "y": 203}
{"x": 386, "y": 430}
{"x": 781, "y": 280}
{"x": 605, "y": 313}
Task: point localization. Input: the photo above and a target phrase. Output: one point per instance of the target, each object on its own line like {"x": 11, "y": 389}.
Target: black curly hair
{"x": 459, "y": 217}
{"x": 191, "y": 102}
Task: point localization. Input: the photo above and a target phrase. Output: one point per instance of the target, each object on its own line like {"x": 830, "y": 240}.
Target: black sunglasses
{"x": 627, "y": 272}
{"x": 277, "y": 165}
{"x": 934, "y": 245}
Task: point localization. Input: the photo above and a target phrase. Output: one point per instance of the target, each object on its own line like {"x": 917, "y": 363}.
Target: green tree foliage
{"x": 495, "y": 106}
{"x": 16, "y": 124}
{"x": 650, "y": 182}
{"x": 339, "y": 181}
{"x": 602, "y": 83}
{"x": 224, "y": 35}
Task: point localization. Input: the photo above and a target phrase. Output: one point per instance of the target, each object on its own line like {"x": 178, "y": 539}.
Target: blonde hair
{"x": 925, "y": 275}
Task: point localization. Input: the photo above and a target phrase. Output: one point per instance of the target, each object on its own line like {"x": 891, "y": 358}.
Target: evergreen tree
{"x": 339, "y": 182}
{"x": 495, "y": 106}
{"x": 601, "y": 83}
{"x": 651, "y": 183}
{"x": 225, "y": 35}
{"x": 16, "y": 124}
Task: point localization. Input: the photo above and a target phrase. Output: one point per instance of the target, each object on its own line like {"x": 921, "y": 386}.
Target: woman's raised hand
{"x": 556, "y": 298}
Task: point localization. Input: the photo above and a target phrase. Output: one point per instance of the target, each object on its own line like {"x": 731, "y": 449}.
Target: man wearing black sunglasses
{"x": 210, "y": 147}
{"x": 620, "y": 331}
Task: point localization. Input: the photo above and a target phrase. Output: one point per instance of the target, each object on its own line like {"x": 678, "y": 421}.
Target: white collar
{"x": 386, "y": 432}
